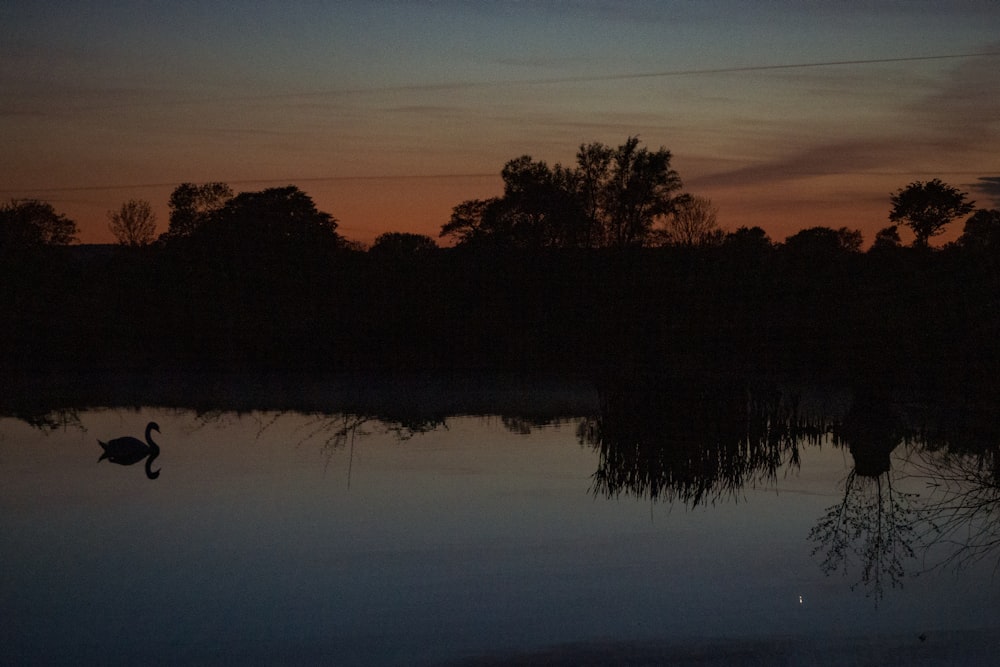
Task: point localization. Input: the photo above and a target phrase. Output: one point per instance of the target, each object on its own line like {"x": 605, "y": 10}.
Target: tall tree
{"x": 630, "y": 189}
{"x": 191, "y": 205}
{"x": 26, "y": 223}
{"x": 614, "y": 197}
{"x": 541, "y": 205}
{"x": 134, "y": 223}
{"x": 927, "y": 207}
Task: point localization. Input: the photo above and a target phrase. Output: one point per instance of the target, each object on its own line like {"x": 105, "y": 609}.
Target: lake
{"x": 559, "y": 527}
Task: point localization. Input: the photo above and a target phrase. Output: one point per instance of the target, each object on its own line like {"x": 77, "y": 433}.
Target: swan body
{"x": 128, "y": 450}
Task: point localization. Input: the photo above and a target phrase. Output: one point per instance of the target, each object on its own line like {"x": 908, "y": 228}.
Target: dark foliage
{"x": 927, "y": 207}
{"x": 613, "y": 198}
{"x": 28, "y": 224}
{"x": 282, "y": 292}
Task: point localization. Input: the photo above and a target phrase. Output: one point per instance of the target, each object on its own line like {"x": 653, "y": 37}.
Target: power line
{"x": 459, "y": 85}
{"x": 614, "y": 77}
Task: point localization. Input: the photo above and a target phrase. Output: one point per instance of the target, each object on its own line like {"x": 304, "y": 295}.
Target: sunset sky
{"x": 786, "y": 114}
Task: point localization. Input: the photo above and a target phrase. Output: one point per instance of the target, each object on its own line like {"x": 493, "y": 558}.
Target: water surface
{"x": 307, "y": 537}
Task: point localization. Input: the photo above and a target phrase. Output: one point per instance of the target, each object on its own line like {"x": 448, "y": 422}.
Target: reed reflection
{"x": 694, "y": 442}
{"x": 337, "y": 431}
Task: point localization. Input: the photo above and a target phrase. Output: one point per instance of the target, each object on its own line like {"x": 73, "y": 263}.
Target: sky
{"x": 786, "y": 114}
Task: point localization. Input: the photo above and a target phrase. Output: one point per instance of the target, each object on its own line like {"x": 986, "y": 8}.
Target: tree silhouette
{"x": 474, "y": 220}
{"x": 627, "y": 190}
{"x": 134, "y": 223}
{"x": 982, "y": 230}
{"x": 272, "y": 220}
{"x": 749, "y": 239}
{"x": 402, "y": 245}
{"x": 693, "y": 222}
{"x": 30, "y": 223}
{"x": 824, "y": 241}
{"x": 191, "y": 206}
{"x": 887, "y": 237}
{"x": 539, "y": 208}
{"x": 613, "y": 198}
{"x": 927, "y": 207}
{"x": 541, "y": 205}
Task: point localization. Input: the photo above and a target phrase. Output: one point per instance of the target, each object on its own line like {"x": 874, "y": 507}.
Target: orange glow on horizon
{"x": 367, "y": 207}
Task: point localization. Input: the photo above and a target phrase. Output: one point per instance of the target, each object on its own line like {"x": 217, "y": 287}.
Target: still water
{"x": 303, "y": 537}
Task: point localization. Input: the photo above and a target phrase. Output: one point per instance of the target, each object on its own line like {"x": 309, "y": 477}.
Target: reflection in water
{"x": 961, "y": 515}
{"x": 49, "y": 420}
{"x": 700, "y": 442}
{"x": 874, "y": 522}
{"x": 469, "y": 540}
{"x": 127, "y": 450}
{"x": 694, "y": 444}
{"x": 335, "y": 431}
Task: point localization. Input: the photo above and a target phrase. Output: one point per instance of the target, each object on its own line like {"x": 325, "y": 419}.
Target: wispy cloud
{"x": 989, "y": 186}
{"x": 955, "y": 116}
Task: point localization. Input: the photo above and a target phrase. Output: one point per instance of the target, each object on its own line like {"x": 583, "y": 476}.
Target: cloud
{"x": 957, "y": 116}
{"x": 989, "y": 186}
{"x": 964, "y": 108}
{"x": 834, "y": 158}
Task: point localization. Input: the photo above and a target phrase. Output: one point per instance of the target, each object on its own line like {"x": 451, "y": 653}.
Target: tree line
{"x": 602, "y": 265}
{"x": 614, "y": 197}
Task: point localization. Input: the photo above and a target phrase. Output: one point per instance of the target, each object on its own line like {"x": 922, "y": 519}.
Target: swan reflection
{"x": 127, "y": 450}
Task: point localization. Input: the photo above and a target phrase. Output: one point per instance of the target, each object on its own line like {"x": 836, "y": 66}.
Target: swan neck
{"x": 154, "y": 451}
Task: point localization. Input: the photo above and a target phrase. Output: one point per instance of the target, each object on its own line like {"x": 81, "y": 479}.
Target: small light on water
{"x": 800, "y": 599}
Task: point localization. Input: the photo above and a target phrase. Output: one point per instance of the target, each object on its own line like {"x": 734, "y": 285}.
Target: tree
{"x": 134, "y": 224}
{"x": 191, "y": 205}
{"x": 749, "y": 238}
{"x": 402, "y": 245}
{"x": 473, "y": 220}
{"x": 614, "y": 197}
{"x": 927, "y": 208}
{"x": 626, "y": 190}
{"x": 824, "y": 241}
{"x": 887, "y": 237}
{"x": 30, "y": 223}
{"x": 693, "y": 222}
{"x": 982, "y": 230}
{"x": 270, "y": 220}
{"x": 541, "y": 204}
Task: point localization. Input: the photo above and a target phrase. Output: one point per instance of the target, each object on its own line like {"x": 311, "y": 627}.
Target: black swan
{"x": 128, "y": 450}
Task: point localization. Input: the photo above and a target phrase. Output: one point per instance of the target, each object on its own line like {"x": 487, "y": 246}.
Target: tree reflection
{"x": 960, "y": 517}
{"x": 337, "y": 431}
{"x": 50, "y": 420}
{"x": 874, "y": 522}
{"x": 695, "y": 443}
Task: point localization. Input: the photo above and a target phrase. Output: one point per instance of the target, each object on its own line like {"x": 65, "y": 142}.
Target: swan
{"x": 128, "y": 450}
